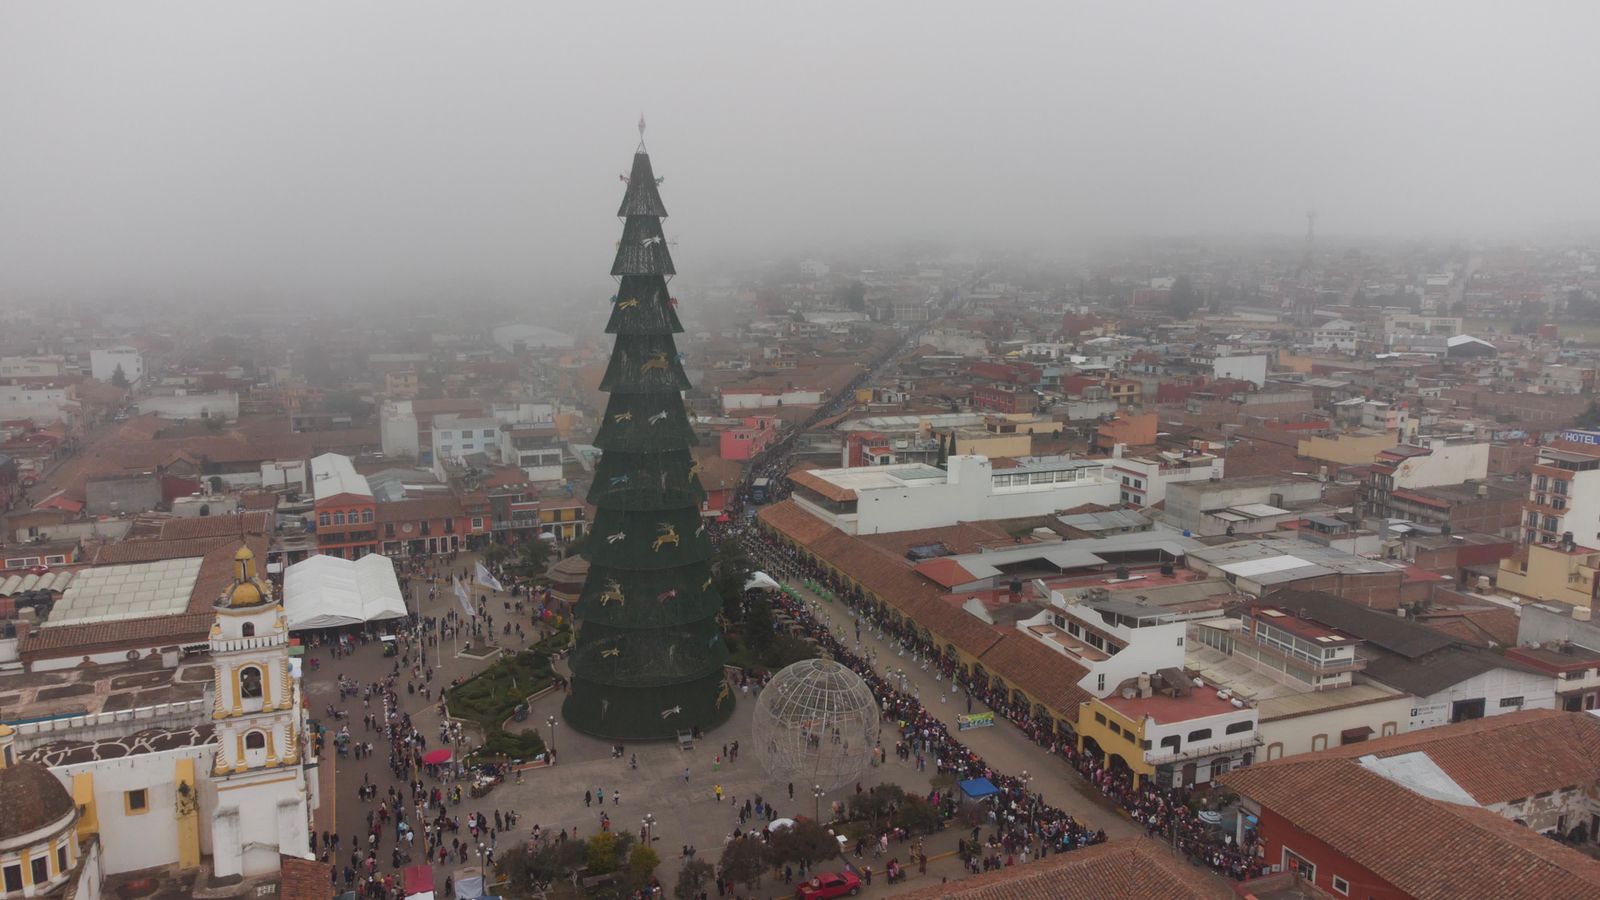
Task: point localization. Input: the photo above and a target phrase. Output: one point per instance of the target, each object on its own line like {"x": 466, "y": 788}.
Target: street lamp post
{"x": 551, "y": 721}
{"x": 647, "y": 826}
{"x": 817, "y": 793}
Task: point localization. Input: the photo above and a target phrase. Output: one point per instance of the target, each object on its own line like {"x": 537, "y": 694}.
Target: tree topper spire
{"x": 641, "y": 131}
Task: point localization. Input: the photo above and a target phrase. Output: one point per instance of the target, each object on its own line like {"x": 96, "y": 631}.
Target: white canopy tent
{"x": 761, "y": 581}
{"x": 326, "y": 592}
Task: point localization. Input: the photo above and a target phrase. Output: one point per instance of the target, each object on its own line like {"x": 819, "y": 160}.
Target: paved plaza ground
{"x": 684, "y": 812}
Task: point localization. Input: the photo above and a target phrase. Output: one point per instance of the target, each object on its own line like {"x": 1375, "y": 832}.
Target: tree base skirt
{"x": 648, "y": 714}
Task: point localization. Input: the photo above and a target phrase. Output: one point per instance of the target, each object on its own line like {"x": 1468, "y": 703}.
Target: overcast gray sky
{"x": 324, "y": 149}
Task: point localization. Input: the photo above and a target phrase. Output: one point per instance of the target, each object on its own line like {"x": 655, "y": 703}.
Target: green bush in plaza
{"x": 490, "y": 697}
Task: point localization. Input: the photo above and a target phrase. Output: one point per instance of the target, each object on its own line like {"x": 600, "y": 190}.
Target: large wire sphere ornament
{"x": 816, "y": 723}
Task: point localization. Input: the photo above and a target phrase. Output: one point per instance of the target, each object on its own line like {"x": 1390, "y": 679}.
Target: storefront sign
{"x": 1428, "y": 715}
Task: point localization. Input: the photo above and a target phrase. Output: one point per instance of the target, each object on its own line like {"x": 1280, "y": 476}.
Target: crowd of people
{"x": 415, "y": 815}
{"x": 1164, "y": 812}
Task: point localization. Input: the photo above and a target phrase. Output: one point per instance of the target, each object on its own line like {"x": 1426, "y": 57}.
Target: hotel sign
{"x": 1582, "y": 437}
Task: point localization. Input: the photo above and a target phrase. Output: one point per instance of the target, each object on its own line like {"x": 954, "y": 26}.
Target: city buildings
{"x": 104, "y": 364}
{"x": 876, "y": 499}
{"x": 344, "y": 507}
{"x": 1435, "y": 813}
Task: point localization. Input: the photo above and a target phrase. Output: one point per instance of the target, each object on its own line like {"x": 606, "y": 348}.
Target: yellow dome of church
{"x": 247, "y": 589}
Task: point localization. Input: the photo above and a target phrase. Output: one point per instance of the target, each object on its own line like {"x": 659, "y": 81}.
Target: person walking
{"x": 718, "y": 790}
{"x": 587, "y": 798}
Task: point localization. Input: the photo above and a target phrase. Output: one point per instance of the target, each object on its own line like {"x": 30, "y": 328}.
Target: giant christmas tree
{"x": 649, "y": 655}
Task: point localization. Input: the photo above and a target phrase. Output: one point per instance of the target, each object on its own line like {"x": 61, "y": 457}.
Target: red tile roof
{"x": 879, "y": 565}
{"x": 417, "y": 509}
{"x": 1042, "y": 673}
{"x": 807, "y": 479}
{"x": 1136, "y": 869}
{"x": 1552, "y": 750}
{"x": 944, "y": 572}
{"x": 1426, "y": 848}
{"x": 92, "y": 637}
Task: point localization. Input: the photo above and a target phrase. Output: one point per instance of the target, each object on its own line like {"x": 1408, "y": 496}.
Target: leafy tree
{"x": 917, "y": 816}
{"x": 495, "y": 554}
{"x": 758, "y": 624}
{"x": 533, "y": 558}
{"x": 730, "y": 570}
{"x": 119, "y": 377}
{"x": 551, "y": 862}
{"x": 852, "y": 296}
{"x": 805, "y": 842}
{"x": 1183, "y": 300}
{"x": 877, "y": 804}
{"x": 601, "y": 856}
{"x": 786, "y": 650}
{"x": 743, "y": 861}
{"x": 692, "y": 879}
{"x": 642, "y": 862}
{"x": 344, "y": 403}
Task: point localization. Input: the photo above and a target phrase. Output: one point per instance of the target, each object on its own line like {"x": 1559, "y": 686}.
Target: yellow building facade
{"x": 1115, "y": 735}
{"x": 1547, "y": 572}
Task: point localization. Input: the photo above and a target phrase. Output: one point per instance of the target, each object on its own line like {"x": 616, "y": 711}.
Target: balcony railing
{"x": 1160, "y": 756}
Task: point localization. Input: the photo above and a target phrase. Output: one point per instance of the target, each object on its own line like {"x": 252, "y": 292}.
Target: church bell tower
{"x": 257, "y": 716}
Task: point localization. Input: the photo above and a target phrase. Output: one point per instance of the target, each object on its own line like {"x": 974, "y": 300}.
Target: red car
{"x": 829, "y": 884}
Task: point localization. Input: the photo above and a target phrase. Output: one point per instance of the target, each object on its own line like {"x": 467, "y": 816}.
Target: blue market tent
{"x": 978, "y": 788}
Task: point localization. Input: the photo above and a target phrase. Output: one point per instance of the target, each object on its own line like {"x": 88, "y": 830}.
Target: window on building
{"x": 61, "y": 859}
{"x": 488, "y": 432}
{"x": 477, "y": 523}
{"x": 1100, "y": 682}
{"x": 1239, "y": 727}
{"x": 1171, "y": 742}
{"x": 136, "y": 802}
{"x": 41, "y": 869}
{"x": 366, "y": 515}
{"x": 1319, "y": 743}
{"x": 255, "y": 740}
{"x": 1199, "y": 734}
{"x": 324, "y": 520}
{"x": 248, "y": 629}
{"x": 1115, "y": 728}
{"x": 1295, "y": 862}
{"x": 1341, "y": 887}
{"x": 388, "y": 529}
{"x": 250, "y": 682}
{"x": 338, "y": 518}
{"x": 1100, "y": 718}
{"x": 1510, "y": 702}
{"x": 13, "y": 878}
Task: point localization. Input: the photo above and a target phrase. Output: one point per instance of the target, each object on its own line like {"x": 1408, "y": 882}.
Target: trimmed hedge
{"x": 490, "y": 697}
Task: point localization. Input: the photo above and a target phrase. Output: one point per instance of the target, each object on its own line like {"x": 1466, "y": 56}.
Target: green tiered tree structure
{"x": 649, "y": 654}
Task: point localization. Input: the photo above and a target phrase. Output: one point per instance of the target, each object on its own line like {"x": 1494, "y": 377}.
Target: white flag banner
{"x": 461, "y": 594}
{"x": 488, "y": 580}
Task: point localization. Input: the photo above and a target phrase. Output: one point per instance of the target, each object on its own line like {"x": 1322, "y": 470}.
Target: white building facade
{"x": 882, "y": 499}
{"x": 103, "y": 364}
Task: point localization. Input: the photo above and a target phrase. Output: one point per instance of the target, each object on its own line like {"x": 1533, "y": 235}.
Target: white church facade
{"x": 229, "y": 793}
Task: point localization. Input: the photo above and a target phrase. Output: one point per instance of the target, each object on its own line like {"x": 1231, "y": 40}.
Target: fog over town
{"x": 902, "y": 449}
{"x": 311, "y": 152}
